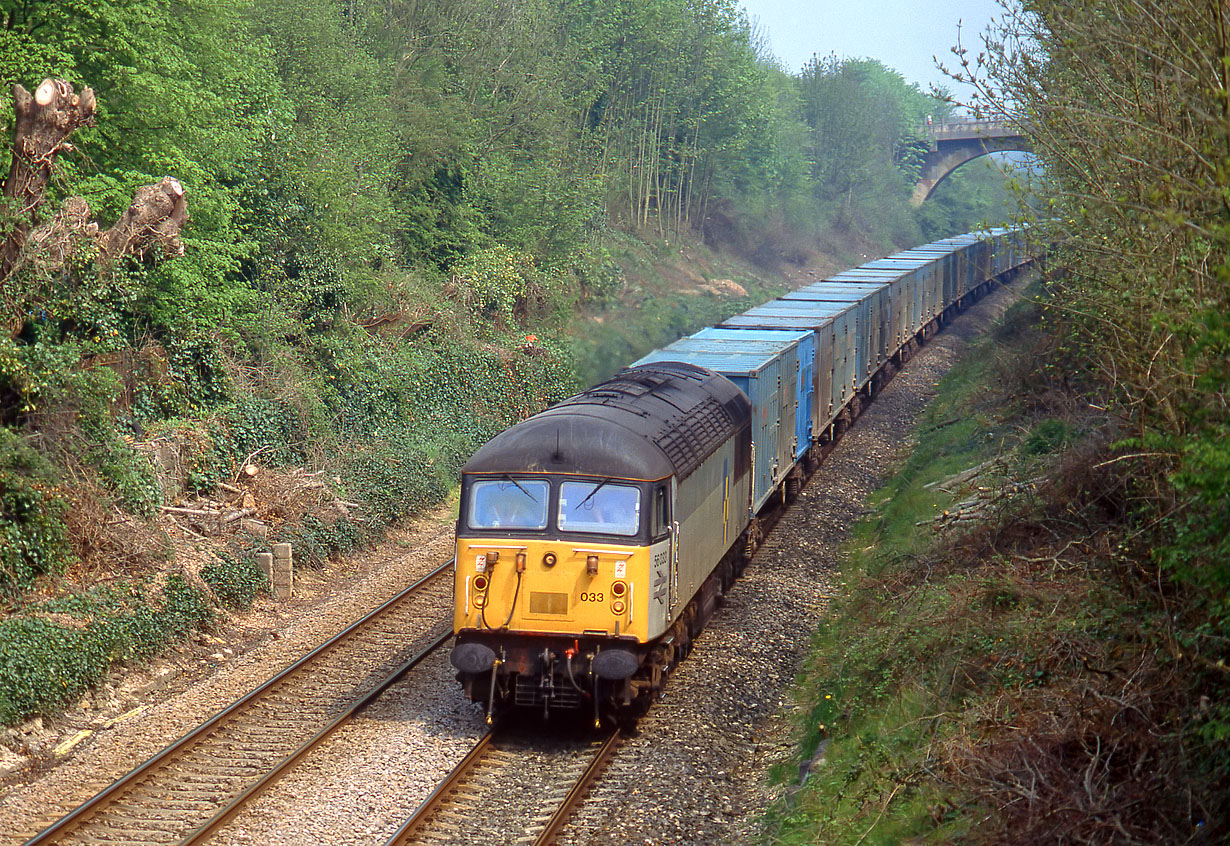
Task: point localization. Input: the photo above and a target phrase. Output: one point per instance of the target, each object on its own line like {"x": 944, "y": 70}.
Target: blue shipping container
{"x": 769, "y": 384}
{"x": 807, "y": 421}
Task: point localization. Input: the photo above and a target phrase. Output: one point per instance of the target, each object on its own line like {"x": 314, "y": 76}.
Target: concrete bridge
{"x": 954, "y": 144}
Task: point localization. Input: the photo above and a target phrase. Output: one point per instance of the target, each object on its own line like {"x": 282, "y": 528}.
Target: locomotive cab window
{"x": 599, "y": 508}
{"x": 660, "y": 521}
{"x": 509, "y": 504}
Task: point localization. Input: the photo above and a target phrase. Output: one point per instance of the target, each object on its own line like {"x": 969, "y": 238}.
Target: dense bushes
{"x": 32, "y": 535}
{"x": 234, "y": 582}
{"x": 315, "y": 540}
{"x": 1134, "y": 200}
{"x": 996, "y": 667}
{"x": 52, "y": 653}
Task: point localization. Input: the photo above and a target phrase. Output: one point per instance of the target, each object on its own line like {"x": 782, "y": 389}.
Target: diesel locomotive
{"x": 595, "y": 539}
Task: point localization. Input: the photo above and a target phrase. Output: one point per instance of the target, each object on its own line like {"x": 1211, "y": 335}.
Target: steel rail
{"x": 421, "y": 820}
{"x": 433, "y": 802}
{"x": 286, "y": 764}
{"x": 81, "y": 813}
{"x": 577, "y": 794}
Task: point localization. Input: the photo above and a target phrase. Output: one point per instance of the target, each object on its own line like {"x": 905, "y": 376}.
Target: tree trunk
{"x": 44, "y": 121}
{"x": 154, "y": 219}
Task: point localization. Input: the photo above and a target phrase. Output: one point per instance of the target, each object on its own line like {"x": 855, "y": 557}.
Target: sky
{"x": 903, "y": 34}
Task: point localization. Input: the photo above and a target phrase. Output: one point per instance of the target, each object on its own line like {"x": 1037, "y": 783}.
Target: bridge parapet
{"x": 962, "y": 129}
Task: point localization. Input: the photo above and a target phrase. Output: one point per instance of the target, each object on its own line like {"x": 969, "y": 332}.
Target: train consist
{"x": 596, "y": 538}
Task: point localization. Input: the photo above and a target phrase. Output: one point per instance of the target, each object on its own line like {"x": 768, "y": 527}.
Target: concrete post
{"x": 264, "y": 560}
{"x": 281, "y": 583}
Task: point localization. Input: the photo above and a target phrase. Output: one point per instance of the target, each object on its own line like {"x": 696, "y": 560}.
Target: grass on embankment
{"x": 1000, "y": 679}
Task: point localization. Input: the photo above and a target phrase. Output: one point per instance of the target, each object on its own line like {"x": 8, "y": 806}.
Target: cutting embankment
{"x": 997, "y": 666}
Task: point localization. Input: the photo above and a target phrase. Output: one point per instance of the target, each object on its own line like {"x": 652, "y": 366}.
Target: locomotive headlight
{"x": 591, "y": 565}
{"x": 480, "y": 600}
{"x": 549, "y": 559}
{"x": 480, "y": 583}
{"x": 618, "y": 606}
{"x": 618, "y": 588}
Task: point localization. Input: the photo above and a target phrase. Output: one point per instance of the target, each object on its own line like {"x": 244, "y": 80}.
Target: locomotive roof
{"x": 646, "y": 422}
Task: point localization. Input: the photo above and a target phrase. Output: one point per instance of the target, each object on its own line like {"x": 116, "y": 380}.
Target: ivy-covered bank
{"x": 384, "y": 427}
{"x": 54, "y": 651}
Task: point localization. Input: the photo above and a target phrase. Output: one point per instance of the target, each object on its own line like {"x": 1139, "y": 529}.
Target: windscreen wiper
{"x": 594, "y": 491}
{"x": 518, "y": 484}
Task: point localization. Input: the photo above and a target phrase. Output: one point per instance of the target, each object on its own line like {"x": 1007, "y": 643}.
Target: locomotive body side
{"x": 711, "y": 510}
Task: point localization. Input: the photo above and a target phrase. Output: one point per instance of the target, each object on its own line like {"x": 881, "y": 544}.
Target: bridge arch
{"x": 954, "y": 144}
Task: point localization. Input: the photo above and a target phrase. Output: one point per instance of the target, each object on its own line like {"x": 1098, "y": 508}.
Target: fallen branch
{"x": 247, "y": 468}
{"x": 880, "y": 815}
{"x": 192, "y": 512}
{"x": 235, "y": 515}
{"x": 1136, "y": 455}
{"x": 982, "y": 505}
{"x": 948, "y": 422}
{"x": 963, "y": 476}
{"x": 184, "y": 528}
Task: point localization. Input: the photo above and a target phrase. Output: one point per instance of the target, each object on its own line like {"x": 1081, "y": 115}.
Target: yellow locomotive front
{"x": 550, "y": 586}
{"x": 552, "y": 556}
{"x": 569, "y": 570}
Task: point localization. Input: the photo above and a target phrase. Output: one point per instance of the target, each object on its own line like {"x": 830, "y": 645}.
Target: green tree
{"x": 183, "y": 89}
{"x": 1126, "y": 104}
{"x": 864, "y": 144}
{"x": 321, "y": 205}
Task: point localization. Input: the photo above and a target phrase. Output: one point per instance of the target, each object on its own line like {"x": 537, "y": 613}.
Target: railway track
{"x": 510, "y": 782}
{"x": 191, "y": 788}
